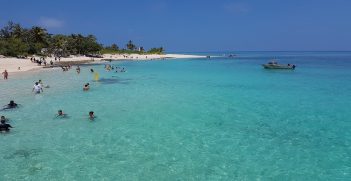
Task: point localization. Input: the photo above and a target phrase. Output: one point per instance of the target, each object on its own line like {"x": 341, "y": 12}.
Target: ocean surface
{"x": 187, "y": 119}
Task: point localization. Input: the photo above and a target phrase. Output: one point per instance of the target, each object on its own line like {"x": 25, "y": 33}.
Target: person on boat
{"x": 60, "y": 114}
{"x": 4, "y": 126}
{"x": 37, "y": 88}
{"x": 91, "y": 115}
{"x": 78, "y": 69}
{"x": 6, "y": 74}
{"x": 293, "y": 66}
{"x": 86, "y": 87}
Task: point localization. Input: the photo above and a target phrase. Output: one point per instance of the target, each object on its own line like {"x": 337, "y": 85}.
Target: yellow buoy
{"x": 96, "y": 76}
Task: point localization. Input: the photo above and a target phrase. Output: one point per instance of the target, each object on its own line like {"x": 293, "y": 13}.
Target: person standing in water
{"x": 37, "y": 88}
{"x": 6, "y": 74}
{"x": 42, "y": 84}
{"x": 78, "y": 69}
{"x": 91, "y": 115}
{"x": 4, "y": 126}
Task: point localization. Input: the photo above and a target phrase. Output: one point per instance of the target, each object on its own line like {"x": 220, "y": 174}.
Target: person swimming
{"x": 91, "y": 115}
{"x": 10, "y": 105}
{"x": 4, "y": 126}
{"x": 61, "y": 114}
{"x": 86, "y": 87}
{"x": 3, "y": 118}
{"x": 42, "y": 85}
{"x": 78, "y": 69}
{"x": 91, "y": 70}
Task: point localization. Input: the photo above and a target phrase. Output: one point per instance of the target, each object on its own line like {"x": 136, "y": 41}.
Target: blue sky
{"x": 195, "y": 25}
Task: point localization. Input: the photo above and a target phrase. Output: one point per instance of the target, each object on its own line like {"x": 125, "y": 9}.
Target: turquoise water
{"x": 191, "y": 119}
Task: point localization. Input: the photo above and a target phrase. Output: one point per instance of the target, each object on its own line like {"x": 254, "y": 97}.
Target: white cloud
{"x": 50, "y": 22}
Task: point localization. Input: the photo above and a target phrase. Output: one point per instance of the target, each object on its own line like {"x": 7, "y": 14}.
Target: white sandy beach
{"x": 12, "y": 64}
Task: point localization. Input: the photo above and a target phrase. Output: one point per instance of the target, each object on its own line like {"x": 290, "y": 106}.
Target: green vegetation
{"x": 131, "y": 49}
{"x": 156, "y": 50}
{"x": 18, "y": 41}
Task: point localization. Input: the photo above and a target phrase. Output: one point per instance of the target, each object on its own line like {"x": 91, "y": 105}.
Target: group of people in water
{"x": 38, "y": 88}
{"x": 60, "y": 114}
{"x": 5, "y": 127}
{"x": 118, "y": 69}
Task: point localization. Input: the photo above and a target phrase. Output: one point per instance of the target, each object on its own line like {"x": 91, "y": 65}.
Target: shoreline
{"x": 12, "y": 64}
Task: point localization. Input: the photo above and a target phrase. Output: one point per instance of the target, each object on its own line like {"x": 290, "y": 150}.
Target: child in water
{"x": 60, "y": 114}
{"x": 86, "y": 87}
{"x": 91, "y": 115}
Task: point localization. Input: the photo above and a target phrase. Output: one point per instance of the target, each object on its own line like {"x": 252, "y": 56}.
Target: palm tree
{"x": 39, "y": 35}
{"x": 130, "y": 45}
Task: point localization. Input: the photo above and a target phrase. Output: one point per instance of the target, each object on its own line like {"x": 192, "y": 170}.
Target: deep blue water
{"x": 188, "y": 119}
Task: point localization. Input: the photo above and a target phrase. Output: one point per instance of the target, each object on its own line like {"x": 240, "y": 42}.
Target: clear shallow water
{"x": 217, "y": 119}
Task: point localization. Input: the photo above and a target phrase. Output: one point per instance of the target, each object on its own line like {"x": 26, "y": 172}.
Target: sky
{"x": 194, "y": 25}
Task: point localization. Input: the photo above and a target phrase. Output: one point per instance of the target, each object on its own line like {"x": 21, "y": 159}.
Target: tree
{"x": 130, "y": 45}
{"x": 90, "y": 45}
{"x": 16, "y": 40}
{"x": 58, "y": 45}
{"x": 13, "y": 47}
{"x": 38, "y": 39}
{"x": 156, "y": 50}
{"x": 114, "y": 46}
{"x": 7, "y": 31}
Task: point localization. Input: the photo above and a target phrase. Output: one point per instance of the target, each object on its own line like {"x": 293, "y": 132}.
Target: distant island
{"x": 17, "y": 41}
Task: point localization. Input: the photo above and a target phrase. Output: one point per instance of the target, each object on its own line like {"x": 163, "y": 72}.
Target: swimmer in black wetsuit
{"x": 11, "y": 105}
{"x": 61, "y": 114}
{"x": 91, "y": 70}
{"x": 4, "y": 126}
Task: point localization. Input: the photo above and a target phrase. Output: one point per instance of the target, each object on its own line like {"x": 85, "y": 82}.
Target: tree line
{"x": 18, "y": 41}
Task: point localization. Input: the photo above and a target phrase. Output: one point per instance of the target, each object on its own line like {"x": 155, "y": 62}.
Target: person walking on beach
{"x": 6, "y": 74}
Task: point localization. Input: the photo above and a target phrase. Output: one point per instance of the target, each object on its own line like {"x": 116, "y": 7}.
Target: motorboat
{"x": 274, "y": 65}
